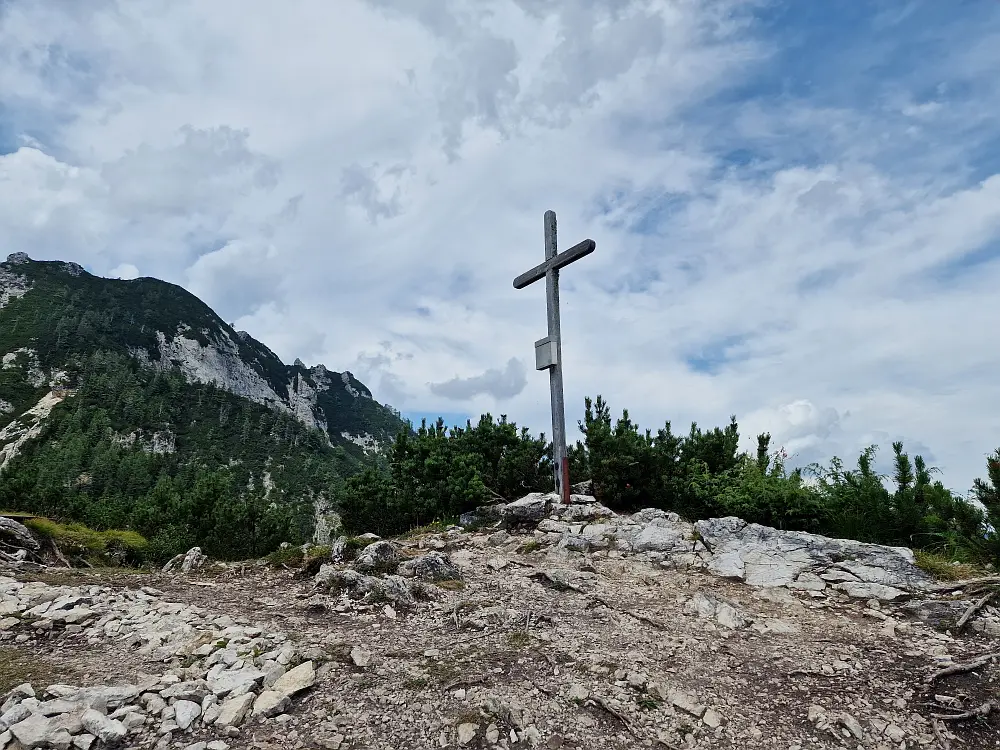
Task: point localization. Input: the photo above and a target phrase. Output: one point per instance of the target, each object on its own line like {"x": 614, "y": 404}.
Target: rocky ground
{"x": 553, "y": 628}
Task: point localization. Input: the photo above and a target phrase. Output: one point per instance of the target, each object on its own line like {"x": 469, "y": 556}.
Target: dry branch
{"x": 976, "y": 713}
{"x": 961, "y": 668}
{"x": 973, "y": 609}
{"x": 478, "y": 680}
{"x": 598, "y": 701}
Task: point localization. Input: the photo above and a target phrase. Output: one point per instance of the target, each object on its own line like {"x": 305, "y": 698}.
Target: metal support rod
{"x": 560, "y": 464}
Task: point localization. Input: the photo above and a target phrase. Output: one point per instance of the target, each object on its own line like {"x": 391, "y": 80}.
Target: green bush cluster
{"x": 438, "y": 474}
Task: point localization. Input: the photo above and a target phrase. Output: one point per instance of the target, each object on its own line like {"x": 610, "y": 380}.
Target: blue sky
{"x": 796, "y": 204}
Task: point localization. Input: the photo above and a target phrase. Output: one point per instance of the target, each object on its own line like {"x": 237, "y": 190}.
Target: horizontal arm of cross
{"x": 562, "y": 259}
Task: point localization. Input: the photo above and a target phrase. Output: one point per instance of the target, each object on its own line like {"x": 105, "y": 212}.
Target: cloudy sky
{"x": 796, "y": 204}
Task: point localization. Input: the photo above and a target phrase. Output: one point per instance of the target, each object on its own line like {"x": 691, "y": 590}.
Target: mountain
{"x": 133, "y": 404}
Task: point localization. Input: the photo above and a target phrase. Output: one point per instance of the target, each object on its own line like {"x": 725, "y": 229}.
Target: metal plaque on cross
{"x": 548, "y": 351}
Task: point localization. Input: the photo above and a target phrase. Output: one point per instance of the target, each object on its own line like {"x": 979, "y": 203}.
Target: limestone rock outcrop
{"x": 729, "y": 547}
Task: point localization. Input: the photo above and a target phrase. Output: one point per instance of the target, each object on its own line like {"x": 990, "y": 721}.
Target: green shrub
{"x": 291, "y": 556}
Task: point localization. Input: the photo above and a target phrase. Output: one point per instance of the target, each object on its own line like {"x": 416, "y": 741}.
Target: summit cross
{"x": 548, "y": 351}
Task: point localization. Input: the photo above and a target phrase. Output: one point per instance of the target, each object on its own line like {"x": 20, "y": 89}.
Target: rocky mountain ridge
{"x": 180, "y": 334}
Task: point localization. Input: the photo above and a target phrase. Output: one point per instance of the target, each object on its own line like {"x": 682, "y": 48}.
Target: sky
{"x": 796, "y": 205}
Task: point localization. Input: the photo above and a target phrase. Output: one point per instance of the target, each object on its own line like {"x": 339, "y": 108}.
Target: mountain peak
{"x": 54, "y": 315}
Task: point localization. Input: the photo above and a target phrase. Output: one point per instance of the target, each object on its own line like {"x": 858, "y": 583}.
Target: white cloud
{"x": 358, "y": 183}
{"x": 125, "y": 271}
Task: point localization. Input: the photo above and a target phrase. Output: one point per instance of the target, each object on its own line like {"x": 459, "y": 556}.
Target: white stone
{"x": 467, "y": 733}
{"x": 298, "y": 679}
{"x": 233, "y": 712}
{"x": 361, "y": 657}
{"x": 270, "y": 703}
{"x": 763, "y": 556}
{"x": 235, "y": 681}
{"x": 686, "y": 702}
{"x": 185, "y": 712}
{"x": 108, "y": 731}
{"x": 39, "y": 731}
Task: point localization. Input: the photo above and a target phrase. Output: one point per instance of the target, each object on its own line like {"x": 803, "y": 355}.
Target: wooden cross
{"x": 548, "y": 351}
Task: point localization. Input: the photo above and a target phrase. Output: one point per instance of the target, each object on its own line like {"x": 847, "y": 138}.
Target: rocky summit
{"x": 536, "y": 625}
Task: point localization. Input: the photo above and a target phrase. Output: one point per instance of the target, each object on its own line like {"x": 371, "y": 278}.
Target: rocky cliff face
{"x": 164, "y": 328}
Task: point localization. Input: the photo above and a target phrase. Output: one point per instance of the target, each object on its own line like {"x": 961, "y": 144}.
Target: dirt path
{"x": 629, "y": 655}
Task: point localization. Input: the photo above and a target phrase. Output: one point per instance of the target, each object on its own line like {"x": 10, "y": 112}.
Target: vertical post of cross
{"x": 548, "y": 351}
{"x": 560, "y": 465}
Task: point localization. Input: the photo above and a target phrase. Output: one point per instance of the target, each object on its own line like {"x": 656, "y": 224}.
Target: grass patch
{"x": 940, "y": 567}
{"x": 646, "y": 703}
{"x": 435, "y": 527}
{"x": 518, "y": 639}
{"x": 468, "y": 717}
{"x": 17, "y": 667}
{"x": 415, "y": 683}
{"x": 443, "y": 672}
{"x": 96, "y": 547}
{"x": 532, "y": 545}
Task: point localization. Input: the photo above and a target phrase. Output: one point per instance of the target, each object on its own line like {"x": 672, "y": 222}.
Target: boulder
{"x": 710, "y": 606}
{"x": 357, "y": 585}
{"x": 270, "y": 703}
{"x": 109, "y": 731}
{"x": 38, "y": 731}
{"x": 338, "y": 550}
{"x": 108, "y": 697}
{"x": 234, "y": 711}
{"x": 16, "y": 695}
{"x": 193, "y": 559}
{"x": 529, "y": 510}
{"x": 433, "y": 566}
{"x": 17, "y": 713}
{"x": 185, "y": 712}
{"x": 234, "y": 681}
{"x": 763, "y": 556}
{"x": 361, "y": 657}
{"x": 581, "y": 508}
{"x": 484, "y": 514}
{"x": 378, "y": 557}
{"x": 191, "y": 690}
{"x": 17, "y": 535}
{"x": 574, "y": 543}
{"x": 295, "y": 680}
{"x": 665, "y": 538}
